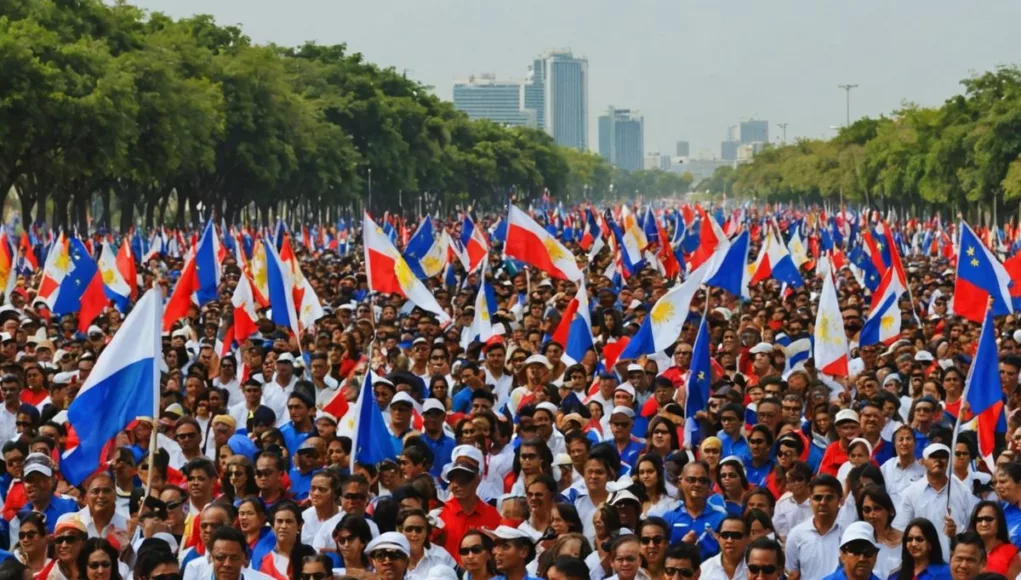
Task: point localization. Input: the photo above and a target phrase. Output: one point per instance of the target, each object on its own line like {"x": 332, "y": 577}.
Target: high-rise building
{"x": 622, "y": 138}
{"x": 564, "y": 101}
{"x": 728, "y": 150}
{"x": 486, "y": 97}
{"x": 653, "y": 160}
{"x": 683, "y": 149}
{"x": 754, "y": 131}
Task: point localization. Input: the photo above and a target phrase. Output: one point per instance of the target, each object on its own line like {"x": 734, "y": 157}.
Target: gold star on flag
{"x": 701, "y": 375}
{"x": 974, "y": 261}
{"x": 971, "y": 251}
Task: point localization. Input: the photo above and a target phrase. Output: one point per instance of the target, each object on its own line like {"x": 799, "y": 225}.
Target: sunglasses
{"x": 732, "y": 535}
{"x": 264, "y": 472}
{"x": 671, "y": 572}
{"x": 864, "y": 551}
{"x": 755, "y": 569}
{"x": 985, "y": 519}
{"x": 66, "y": 540}
{"x": 653, "y": 540}
{"x": 914, "y": 540}
{"x": 315, "y": 576}
{"x": 387, "y": 555}
{"x": 354, "y": 496}
{"x": 692, "y": 480}
{"x": 100, "y": 564}
{"x": 476, "y": 549}
{"x": 29, "y": 535}
{"x": 413, "y": 529}
{"x": 190, "y": 435}
{"x": 345, "y": 540}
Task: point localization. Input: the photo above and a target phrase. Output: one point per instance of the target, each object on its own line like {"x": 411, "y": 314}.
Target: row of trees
{"x": 167, "y": 120}
{"x": 961, "y": 156}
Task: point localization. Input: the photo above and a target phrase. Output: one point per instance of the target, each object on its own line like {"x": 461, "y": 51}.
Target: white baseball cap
{"x": 627, "y": 388}
{"x": 933, "y": 448}
{"x": 538, "y": 359}
{"x": 635, "y": 368}
{"x": 622, "y": 410}
{"x": 846, "y": 415}
{"x": 762, "y": 348}
{"x": 859, "y": 532}
{"x": 509, "y": 533}
{"x": 402, "y": 397}
{"x": 389, "y": 541}
{"x": 432, "y": 405}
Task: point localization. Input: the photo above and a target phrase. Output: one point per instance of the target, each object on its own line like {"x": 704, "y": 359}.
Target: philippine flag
{"x": 982, "y": 392}
{"x": 730, "y": 270}
{"x": 883, "y": 323}
{"x": 125, "y": 384}
{"x": 481, "y": 328}
{"x": 474, "y": 242}
{"x": 666, "y": 320}
{"x": 830, "y": 339}
{"x": 245, "y": 316}
{"x": 575, "y": 330}
{"x": 280, "y": 285}
{"x": 386, "y": 271}
{"x": 528, "y": 242}
{"x": 114, "y": 284}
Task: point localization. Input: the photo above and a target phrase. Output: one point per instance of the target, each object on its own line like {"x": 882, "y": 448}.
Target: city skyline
{"x": 776, "y": 61}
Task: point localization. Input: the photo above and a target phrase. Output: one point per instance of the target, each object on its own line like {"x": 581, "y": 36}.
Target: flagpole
{"x": 154, "y": 439}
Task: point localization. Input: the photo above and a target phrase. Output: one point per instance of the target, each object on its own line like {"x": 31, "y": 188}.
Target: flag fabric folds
{"x": 830, "y": 341}
{"x": 114, "y": 284}
{"x": 81, "y": 290}
{"x": 699, "y": 381}
{"x": 528, "y": 242}
{"x": 575, "y": 330}
{"x": 983, "y": 394}
{"x": 372, "y": 442}
{"x": 979, "y": 276}
{"x": 124, "y": 383}
{"x": 663, "y": 325}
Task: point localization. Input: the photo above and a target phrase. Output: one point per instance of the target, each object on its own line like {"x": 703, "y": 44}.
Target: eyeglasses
{"x": 729, "y": 475}
{"x": 314, "y": 576}
{"x": 476, "y": 549}
{"x": 732, "y": 535}
{"x": 70, "y": 539}
{"x": 23, "y": 423}
{"x": 757, "y": 441}
{"x": 626, "y": 559}
{"x": 29, "y": 535}
{"x": 984, "y": 519}
{"x": 755, "y": 569}
{"x": 914, "y": 540}
{"x": 100, "y": 564}
{"x": 354, "y": 496}
{"x": 823, "y": 497}
{"x": 345, "y": 540}
{"x": 685, "y": 572}
{"x": 387, "y": 555}
{"x": 961, "y": 454}
{"x": 264, "y": 472}
{"x": 529, "y": 456}
{"x": 692, "y": 480}
{"x": 188, "y": 435}
{"x": 653, "y": 540}
{"x": 236, "y": 473}
{"x": 621, "y": 424}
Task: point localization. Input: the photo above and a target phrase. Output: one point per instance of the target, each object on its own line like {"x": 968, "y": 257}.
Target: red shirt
{"x": 833, "y": 458}
{"x": 456, "y": 523}
{"x": 34, "y": 397}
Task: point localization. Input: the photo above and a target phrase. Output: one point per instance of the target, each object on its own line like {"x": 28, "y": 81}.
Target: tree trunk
{"x": 40, "y": 211}
{"x": 107, "y": 198}
{"x": 181, "y": 200}
{"x": 164, "y": 203}
{"x": 127, "y": 205}
{"x": 27, "y": 201}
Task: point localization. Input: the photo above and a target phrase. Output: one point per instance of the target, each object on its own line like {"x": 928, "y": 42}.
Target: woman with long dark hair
{"x": 97, "y": 560}
{"x": 278, "y": 563}
{"x": 989, "y": 523}
{"x": 532, "y": 459}
{"x": 650, "y": 476}
{"x": 252, "y": 523}
{"x": 31, "y": 548}
{"x": 876, "y": 508}
{"x": 564, "y": 519}
{"x": 352, "y": 535}
{"x": 733, "y": 484}
{"x": 238, "y": 480}
{"x": 416, "y": 527}
{"x": 663, "y": 439}
{"x": 921, "y": 553}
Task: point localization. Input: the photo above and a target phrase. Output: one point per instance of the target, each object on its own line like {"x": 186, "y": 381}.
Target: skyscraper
{"x": 500, "y": 101}
{"x": 728, "y": 150}
{"x": 622, "y": 138}
{"x": 683, "y": 149}
{"x": 557, "y": 89}
{"x": 754, "y": 131}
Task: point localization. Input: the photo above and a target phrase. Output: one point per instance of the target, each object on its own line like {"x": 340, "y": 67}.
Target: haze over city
{"x": 691, "y": 68}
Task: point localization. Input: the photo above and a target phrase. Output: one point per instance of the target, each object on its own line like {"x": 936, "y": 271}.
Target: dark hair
{"x": 907, "y": 569}
{"x": 971, "y": 538}
{"x": 487, "y": 546}
{"x": 152, "y": 554}
{"x": 878, "y": 494}
{"x": 764, "y": 493}
{"x": 655, "y": 521}
{"x": 732, "y": 518}
{"x": 573, "y": 568}
{"x": 36, "y": 519}
{"x": 98, "y": 545}
{"x": 202, "y": 463}
{"x": 657, "y": 464}
{"x": 229, "y": 534}
{"x": 404, "y": 514}
{"x": 257, "y": 503}
{"x": 547, "y": 481}
{"x": 1001, "y": 520}
{"x": 385, "y": 514}
{"x": 760, "y": 516}
{"x": 542, "y": 449}
{"x": 1012, "y": 469}
{"x": 655, "y": 422}
{"x": 827, "y": 480}
{"x": 736, "y": 465}
{"x": 12, "y": 569}
{"x": 569, "y": 514}
{"x": 685, "y": 551}
{"x": 771, "y": 546}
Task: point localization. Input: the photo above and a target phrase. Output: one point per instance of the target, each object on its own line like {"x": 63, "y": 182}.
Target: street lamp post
{"x": 370, "y": 189}
{"x": 847, "y": 89}
{"x": 783, "y": 127}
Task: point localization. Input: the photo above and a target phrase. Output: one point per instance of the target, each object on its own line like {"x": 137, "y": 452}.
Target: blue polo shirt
{"x": 1012, "y": 514}
{"x": 442, "y": 449}
{"x": 840, "y": 575}
{"x": 294, "y": 438}
{"x": 738, "y": 448}
{"x": 58, "y": 507}
{"x": 462, "y": 401}
{"x": 301, "y": 484}
{"x": 757, "y": 475}
{"x": 632, "y": 452}
{"x": 681, "y": 522}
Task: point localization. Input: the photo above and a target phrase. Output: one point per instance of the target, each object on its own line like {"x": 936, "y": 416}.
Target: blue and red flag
{"x": 980, "y": 276}
{"x": 983, "y": 394}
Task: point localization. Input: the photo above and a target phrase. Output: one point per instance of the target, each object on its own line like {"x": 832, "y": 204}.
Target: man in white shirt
{"x": 276, "y": 392}
{"x": 10, "y": 384}
{"x": 495, "y": 369}
{"x": 326, "y": 386}
{"x": 729, "y": 564}
{"x": 813, "y": 546}
{"x": 927, "y": 497}
{"x": 100, "y": 513}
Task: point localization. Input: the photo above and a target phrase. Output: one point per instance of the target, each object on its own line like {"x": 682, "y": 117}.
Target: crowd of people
{"x": 509, "y": 459}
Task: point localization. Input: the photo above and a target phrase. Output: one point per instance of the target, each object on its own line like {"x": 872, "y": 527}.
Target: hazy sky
{"x": 691, "y": 67}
